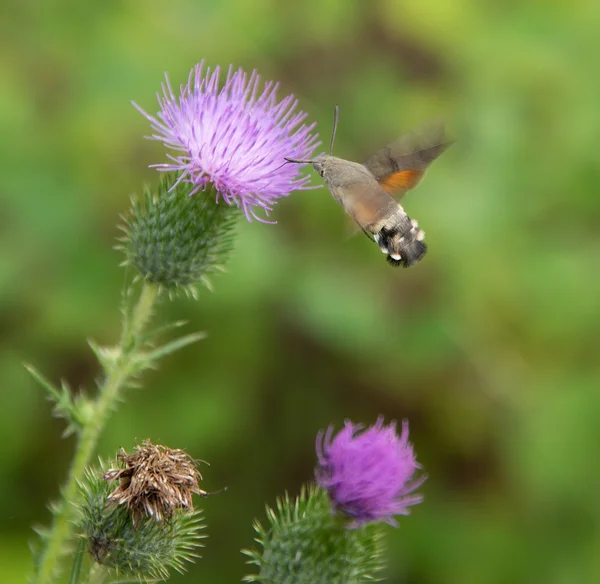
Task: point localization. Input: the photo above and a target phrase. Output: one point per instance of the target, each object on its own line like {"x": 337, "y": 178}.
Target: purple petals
{"x": 368, "y": 474}
{"x": 233, "y": 136}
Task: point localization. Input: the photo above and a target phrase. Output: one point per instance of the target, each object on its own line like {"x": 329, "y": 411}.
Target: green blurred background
{"x": 488, "y": 347}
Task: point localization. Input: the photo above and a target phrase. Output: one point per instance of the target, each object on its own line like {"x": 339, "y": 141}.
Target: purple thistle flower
{"x": 233, "y": 137}
{"x": 368, "y": 475}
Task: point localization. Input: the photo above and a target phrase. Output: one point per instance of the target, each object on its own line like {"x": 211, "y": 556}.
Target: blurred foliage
{"x": 488, "y": 346}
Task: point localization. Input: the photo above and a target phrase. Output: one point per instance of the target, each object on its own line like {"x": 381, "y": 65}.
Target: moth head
{"x": 319, "y": 162}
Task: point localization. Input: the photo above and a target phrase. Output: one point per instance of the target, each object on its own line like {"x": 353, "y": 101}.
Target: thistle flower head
{"x": 234, "y": 137}
{"x": 155, "y": 481}
{"x": 368, "y": 474}
{"x": 144, "y": 552}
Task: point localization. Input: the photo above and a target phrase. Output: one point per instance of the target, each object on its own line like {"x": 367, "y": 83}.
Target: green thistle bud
{"x": 175, "y": 240}
{"x": 123, "y": 542}
{"x": 306, "y": 544}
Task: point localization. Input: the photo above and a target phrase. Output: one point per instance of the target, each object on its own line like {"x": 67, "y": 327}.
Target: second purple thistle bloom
{"x": 234, "y": 137}
{"x": 369, "y": 474}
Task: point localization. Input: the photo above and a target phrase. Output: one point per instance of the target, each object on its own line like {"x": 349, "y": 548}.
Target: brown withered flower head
{"x": 155, "y": 482}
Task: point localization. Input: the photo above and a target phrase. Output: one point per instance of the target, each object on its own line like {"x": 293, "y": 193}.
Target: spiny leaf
{"x": 63, "y": 403}
{"x": 161, "y": 330}
{"x": 175, "y": 345}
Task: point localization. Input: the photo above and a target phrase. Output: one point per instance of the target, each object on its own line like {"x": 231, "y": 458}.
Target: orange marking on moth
{"x": 405, "y": 179}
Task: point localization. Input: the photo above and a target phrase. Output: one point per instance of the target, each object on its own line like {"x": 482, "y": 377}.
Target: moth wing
{"x": 400, "y": 166}
{"x": 351, "y": 229}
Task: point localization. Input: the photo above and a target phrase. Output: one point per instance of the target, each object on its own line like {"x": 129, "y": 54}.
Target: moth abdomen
{"x": 402, "y": 242}
{"x": 410, "y": 255}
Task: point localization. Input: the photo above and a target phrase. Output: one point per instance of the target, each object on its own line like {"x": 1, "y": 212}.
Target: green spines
{"x": 145, "y": 552}
{"x": 306, "y": 544}
{"x": 175, "y": 240}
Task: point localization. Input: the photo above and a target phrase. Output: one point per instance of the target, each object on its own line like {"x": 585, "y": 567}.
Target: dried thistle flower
{"x": 155, "y": 482}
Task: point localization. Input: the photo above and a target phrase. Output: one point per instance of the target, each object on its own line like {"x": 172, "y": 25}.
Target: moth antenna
{"x": 336, "y": 115}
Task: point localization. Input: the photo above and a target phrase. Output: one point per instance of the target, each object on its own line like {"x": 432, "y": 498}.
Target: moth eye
{"x": 322, "y": 172}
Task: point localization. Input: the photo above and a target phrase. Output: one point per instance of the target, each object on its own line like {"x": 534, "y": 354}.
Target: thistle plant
{"x": 230, "y": 140}
{"x": 134, "y": 519}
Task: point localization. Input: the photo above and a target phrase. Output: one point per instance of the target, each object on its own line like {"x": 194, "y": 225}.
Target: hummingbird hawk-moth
{"x": 364, "y": 190}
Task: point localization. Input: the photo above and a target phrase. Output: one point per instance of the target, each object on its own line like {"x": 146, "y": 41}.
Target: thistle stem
{"x": 93, "y": 425}
{"x": 77, "y": 561}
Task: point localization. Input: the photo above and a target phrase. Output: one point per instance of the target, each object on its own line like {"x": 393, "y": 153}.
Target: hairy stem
{"x": 77, "y": 561}
{"x": 115, "y": 379}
